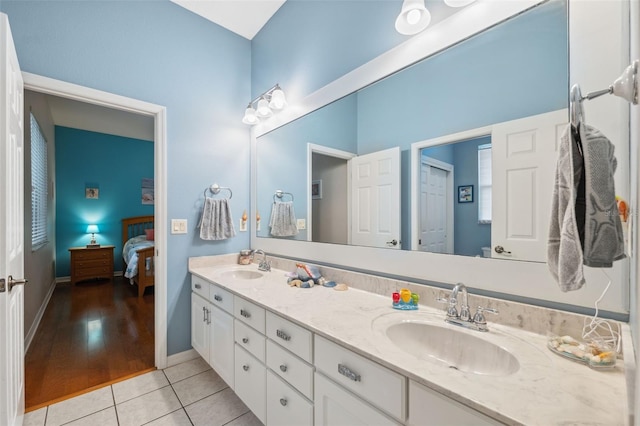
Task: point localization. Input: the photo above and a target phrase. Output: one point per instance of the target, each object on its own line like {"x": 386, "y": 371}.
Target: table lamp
{"x": 93, "y": 230}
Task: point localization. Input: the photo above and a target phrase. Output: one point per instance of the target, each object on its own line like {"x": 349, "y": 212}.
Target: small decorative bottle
{"x": 245, "y": 257}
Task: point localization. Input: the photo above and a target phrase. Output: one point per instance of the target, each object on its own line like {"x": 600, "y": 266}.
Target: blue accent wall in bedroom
{"x": 116, "y": 166}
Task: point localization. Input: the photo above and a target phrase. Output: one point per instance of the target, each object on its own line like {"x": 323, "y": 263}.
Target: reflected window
{"x": 484, "y": 183}
{"x": 38, "y": 186}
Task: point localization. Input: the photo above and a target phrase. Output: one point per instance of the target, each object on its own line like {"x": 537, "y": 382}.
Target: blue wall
{"x": 161, "y": 53}
{"x": 116, "y": 165}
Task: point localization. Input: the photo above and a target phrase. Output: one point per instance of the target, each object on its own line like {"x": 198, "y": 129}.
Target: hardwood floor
{"x": 91, "y": 334}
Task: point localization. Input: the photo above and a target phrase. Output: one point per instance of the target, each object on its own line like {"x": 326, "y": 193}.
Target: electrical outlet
{"x": 302, "y": 224}
{"x": 178, "y": 226}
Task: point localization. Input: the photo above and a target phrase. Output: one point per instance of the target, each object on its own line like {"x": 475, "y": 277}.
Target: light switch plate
{"x": 178, "y": 226}
{"x": 302, "y": 224}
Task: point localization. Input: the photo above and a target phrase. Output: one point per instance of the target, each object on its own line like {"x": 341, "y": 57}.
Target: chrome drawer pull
{"x": 283, "y": 402}
{"x": 284, "y": 336}
{"x": 346, "y": 372}
{"x": 245, "y": 314}
{"x": 245, "y": 340}
{"x": 198, "y": 286}
{"x": 218, "y": 298}
{"x": 245, "y": 367}
{"x": 283, "y": 368}
{"x": 204, "y": 314}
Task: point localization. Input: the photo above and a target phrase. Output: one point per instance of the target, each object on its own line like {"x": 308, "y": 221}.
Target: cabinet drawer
{"x": 291, "y": 336}
{"x": 251, "y": 382}
{"x": 92, "y": 264}
{"x": 84, "y": 273}
{"x": 200, "y": 287}
{"x": 382, "y": 387}
{"x": 285, "y": 406}
{"x": 93, "y": 254}
{"x": 250, "y": 339}
{"x": 221, "y": 298}
{"x": 249, "y": 313}
{"x": 292, "y": 369}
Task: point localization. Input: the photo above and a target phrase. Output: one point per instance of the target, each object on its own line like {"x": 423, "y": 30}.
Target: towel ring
{"x": 215, "y": 189}
{"x": 280, "y": 193}
{"x": 576, "y": 112}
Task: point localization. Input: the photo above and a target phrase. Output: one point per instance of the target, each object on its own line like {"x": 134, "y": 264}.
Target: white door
{"x": 436, "y": 207}
{"x": 11, "y": 232}
{"x": 523, "y": 162}
{"x": 375, "y": 191}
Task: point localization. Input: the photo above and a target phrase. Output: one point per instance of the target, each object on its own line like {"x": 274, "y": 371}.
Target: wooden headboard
{"x": 134, "y": 226}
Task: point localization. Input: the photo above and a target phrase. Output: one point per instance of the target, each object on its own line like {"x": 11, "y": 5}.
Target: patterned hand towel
{"x": 283, "y": 219}
{"x": 216, "y": 222}
{"x": 603, "y": 239}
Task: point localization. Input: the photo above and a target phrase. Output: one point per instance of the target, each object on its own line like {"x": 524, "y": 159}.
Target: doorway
{"x": 436, "y": 206}
{"x": 93, "y": 97}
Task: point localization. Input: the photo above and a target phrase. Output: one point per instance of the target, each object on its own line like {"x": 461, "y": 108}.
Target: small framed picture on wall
{"x": 92, "y": 193}
{"x": 316, "y": 189}
{"x": 465, "y": 194}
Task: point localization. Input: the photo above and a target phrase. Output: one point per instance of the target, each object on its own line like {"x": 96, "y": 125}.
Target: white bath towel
{"x": 216, "y": 222}
{"x": 283, "y": 219}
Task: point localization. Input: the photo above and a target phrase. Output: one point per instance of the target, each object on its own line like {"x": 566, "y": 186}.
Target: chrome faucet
{"x": 263, "y": 265}
{"x": 463, "y": 317}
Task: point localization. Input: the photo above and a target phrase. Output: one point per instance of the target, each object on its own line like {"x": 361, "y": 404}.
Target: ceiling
{"x": 243, "y": 17}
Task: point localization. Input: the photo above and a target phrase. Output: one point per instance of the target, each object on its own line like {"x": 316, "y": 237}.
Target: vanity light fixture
{"x": 458, "y": 3}
{"x": 264, "y": 105}
{"x": 413, "y": 18}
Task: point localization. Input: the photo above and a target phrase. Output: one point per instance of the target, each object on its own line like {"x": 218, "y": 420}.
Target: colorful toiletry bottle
{"x": 405, "y": 300}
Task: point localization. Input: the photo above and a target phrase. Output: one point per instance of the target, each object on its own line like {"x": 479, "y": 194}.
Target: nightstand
{"x": 91, "y": 263}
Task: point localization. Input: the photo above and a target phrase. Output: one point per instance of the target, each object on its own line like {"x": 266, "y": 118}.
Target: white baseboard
{"x": 181, "y": 357}
{"x": 36, "y": 322}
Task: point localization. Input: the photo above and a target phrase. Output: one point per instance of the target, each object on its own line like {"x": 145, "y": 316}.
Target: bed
{"x": 138, "y": 251}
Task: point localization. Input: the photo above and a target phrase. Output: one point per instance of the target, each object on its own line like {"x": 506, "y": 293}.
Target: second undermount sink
{"x": 458, "y": 349}
{"x": 241, "y": 274}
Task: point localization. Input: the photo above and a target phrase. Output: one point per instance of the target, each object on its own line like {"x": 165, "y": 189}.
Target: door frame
{"x": 416, "y": 164}
{"x": 449, "y": 168}
{"x": 49, "y": 86}
{"x": 329, "y": 152}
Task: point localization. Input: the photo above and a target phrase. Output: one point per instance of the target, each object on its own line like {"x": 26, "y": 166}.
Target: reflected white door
{"x": 433, "y": 210}
{"x": 11, "y": 232}
{"x": 375, "y": 191}
{"x": 524, "y": 154}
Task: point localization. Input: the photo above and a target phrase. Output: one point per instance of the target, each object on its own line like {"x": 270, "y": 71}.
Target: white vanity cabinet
{"x": 212, "y": 326}
{"x": 428, "y": 407}
{"x": 250, "y": 371}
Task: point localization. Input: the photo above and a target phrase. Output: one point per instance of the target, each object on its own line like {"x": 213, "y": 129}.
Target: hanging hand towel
{"x": 283, "y": 219}
{"x": 603, "y": 235}
{"x": 216, "y": 222}
{"x": 598, "y": 222}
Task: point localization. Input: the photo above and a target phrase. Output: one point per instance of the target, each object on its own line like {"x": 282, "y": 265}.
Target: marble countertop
{"x": 546, "y": 390}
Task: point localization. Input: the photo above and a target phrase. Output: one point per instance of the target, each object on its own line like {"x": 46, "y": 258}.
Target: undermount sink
{"x": 458, "y": 349}
{"x": 241, "y": 274}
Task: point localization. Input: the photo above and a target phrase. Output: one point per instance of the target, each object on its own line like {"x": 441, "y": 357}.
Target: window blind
{"x": 39, "y": 184}
{"x": 484, "y": 183}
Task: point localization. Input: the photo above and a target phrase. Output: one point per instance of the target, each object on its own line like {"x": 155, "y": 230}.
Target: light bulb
{"x": 250, "y": 116}
{"x": 278, "y": 101}
{"x": 413, "y": 16}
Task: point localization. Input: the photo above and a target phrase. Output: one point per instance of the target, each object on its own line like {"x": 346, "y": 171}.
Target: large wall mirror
{"x": 445, "y": 110}
{"x": 346, "y": 168}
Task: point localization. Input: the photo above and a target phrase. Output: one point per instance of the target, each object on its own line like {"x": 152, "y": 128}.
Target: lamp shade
{"x": 93, "y": 229}
{"x": 458, "y": 3}
{"x": 263, "y": 109}
{"x": 413, "y": 18}
{"x": 250, "y": 116}
{"x": 278, "y": 100}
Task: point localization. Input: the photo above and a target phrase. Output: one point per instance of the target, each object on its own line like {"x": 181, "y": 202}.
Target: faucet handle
{"x": 479, "y": 317}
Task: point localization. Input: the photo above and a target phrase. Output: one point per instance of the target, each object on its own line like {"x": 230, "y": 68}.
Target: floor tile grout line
{"x": 232, "y": 420}
{"x": 141, "y": 395}
{"x": 115, "y": 407}
{"x": 204, "y": 397}
{"x": 186, "y": 378}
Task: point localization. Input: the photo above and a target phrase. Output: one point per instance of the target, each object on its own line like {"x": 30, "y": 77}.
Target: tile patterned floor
{"x": 189, "y": 394}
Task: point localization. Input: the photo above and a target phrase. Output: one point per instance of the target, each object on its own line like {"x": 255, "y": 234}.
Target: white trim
{"x": 330, "y": 152}
{"x": 63, "y": 89}
{"x": 181, "y": 357}
{"x": 36, "y": 321}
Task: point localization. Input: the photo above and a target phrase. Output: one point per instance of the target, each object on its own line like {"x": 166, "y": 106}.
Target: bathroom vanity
{"x": 320, "y": 356}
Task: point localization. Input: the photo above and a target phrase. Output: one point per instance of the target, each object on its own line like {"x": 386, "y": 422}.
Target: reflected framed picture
{"x": 465, "y": 194}
{"x": 316, "y": 189}
{"x": 92, "y": 193}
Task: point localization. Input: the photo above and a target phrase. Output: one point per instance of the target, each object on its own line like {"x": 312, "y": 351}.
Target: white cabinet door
{"x": 221, "y": 348}
{"x": 251, "y": 382}
{"x": 335, "y": 406}
{"x": 199, "y": 325}
{"x": 428, "y": 407}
